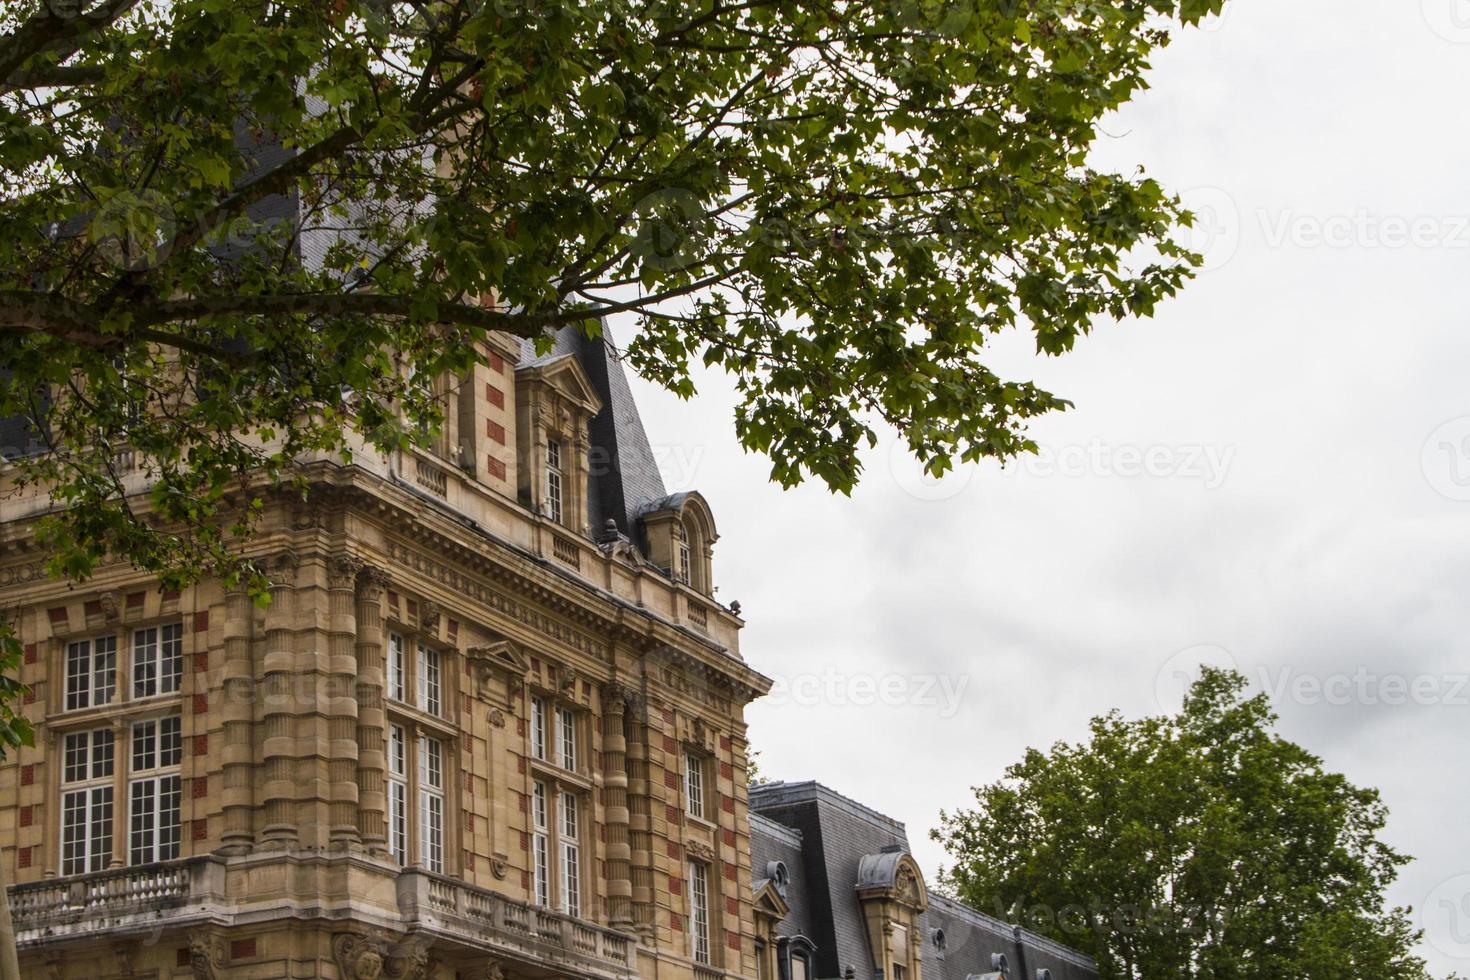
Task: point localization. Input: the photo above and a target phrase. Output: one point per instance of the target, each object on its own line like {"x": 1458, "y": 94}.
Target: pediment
{"x": 768, "y": 900}
{"x": 565, "y": 374}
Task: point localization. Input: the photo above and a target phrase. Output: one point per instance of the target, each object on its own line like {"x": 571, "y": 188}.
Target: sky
{"x": 1273, "y": 473}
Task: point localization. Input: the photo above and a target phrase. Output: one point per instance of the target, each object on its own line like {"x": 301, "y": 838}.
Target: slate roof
{"x": 823, "y": 837}
{"x": 623, "y": 474}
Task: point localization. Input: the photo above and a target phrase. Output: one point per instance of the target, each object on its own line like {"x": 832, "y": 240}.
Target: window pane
{"x": 397, "y": 683}
{"x": 430, "y": 686}
{"x": 170, "y": 742}
{"x": 102, "y": 742}
{"x": 699, "y": 912}
{"x": 398, "y": 821}
{"x": 144, "y": 821}
{"x": 694, "y": 784}
{"x": 538, "y": 728}
{"x": 571, "y": 879}
{"x": 431, "y": 832}
{"x": 171, "y": 658}
{"x": 99, "y": 847}
{"x": 145, "y": 745}
{"x": 568, "y": 729}
{"x": 104, "y": 669}
{"x": 145, "y": 662}
{"x": 568, "y": 816}
{"x": 431, "y": 763}
{"x": 78, "y": 674}
{"x": 540, "y": 869}
{"x": 397, "y": 751}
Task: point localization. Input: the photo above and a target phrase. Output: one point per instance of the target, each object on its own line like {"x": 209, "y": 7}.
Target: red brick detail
{"x": 27, "y": 774}
{"x": 392, "y": 598}
{"x": 181, "y": 956}
{"x": 413, "y": 608}
{"x": 676, "y": 886}
{"x": 525, "y": 841}
{"x": 730, "y": 871}
{"x": 673, "y": 849}
{"x": 671, "y": 779}
{"x": 93, "y": 607}
{"x": 729, "y": 836}
{"x": 31, "y": 654}
{"x": 242, "y": 949}
{"x": 495, "y": 431}
{"x": 135, "y": 599}
{"x": 732, "y": 939}
{"x": 496, "y": 362}
{"x": 201, "y": 625}
{"x": 201, "y": 663}
{"x": 469, "y": 783}
{"x": 726, "y": 771}
{"x": 201, "y": 829}
{"x": 669, "y": 744}
{"x": 526, "y": 880}
{"x": 23, "y": 857}
{"x": 668, "y": 716}
{"x": 201, "y": 703}
{"x": 494, "y": 395}
{"x": 27, "y": 816}
{"x": 201, "y": 787}
{"x": 724, "y": 743}
{"x": 525, "y": 802}
{"x": 169, "y": 595}
{"x": 672, "y": 814}
{"x": 495, "y": 467}
{"x": 57, "y": 614}
{"x": 521, "y": 764}
{"x": 521, "y": 727}
{"x": 727, "y": 803}
{"x": 454, "y": 632}
{"x": 732, "y": 906}
{"x": 676, "y": 922}
{"x": 469, "y": 860}
{"x": 201, "y": 746}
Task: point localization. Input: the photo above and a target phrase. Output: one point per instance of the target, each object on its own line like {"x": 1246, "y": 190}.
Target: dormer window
{"x": 553, "y": 480}
{"x": 684, "y": 568}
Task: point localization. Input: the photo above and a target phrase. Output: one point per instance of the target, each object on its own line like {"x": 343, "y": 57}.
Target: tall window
{"x": 540, "y": 844}
{"x": 694, "y": 785}
{"x": 800, "y": 967}
{"x": 553, "y": 480}
{"x": 86, "y": 801}
{"x": 538, "y": 729}
{"x": 567, "y": 738}
{"x": 571, "y": 857}
{"x": 430, "y": 684}
{"x": 158, "y": 660}
{"x": 431, "y": 804}
{"x": 682, "y": 571}
{"x": 699, "y": 912}
{"x": 91, "y": 672}
{"x": 397, "y": 668}
{"x": 153, "y": 794}
{"x": 398, "y": 793}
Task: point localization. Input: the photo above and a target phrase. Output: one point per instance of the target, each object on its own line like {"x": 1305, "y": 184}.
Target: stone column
{"x": 241, "y": 697}
{"x": 279, "y": 697}
{"x": 372, "y": 753}
{"x": 640, "y": 818}
{"x": 615, "y": 802}
{"x": 341, "y": 693}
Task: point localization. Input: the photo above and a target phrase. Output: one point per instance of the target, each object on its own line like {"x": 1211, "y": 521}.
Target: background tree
{"x": 1201, "y": 845}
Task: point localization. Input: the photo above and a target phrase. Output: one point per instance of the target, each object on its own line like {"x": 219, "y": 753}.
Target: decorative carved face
{"x": 367, "y": 964}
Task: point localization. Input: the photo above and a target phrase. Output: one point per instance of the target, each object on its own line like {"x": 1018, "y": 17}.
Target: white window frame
{"x": 431, "y": 804}
{"x": 538, "y": 729}
{"x": 88, "y": 794}
{"x": 398, "y": 793}
{"x": 430, "y": 680}
{"x": 554, "y": 481}
{"x": 684, "y": 572}
{"x": 155, "y": 797}
{"x": 397, "y": 668}
{"x": 540, "y": 845}
{"x": 698, "y": 881}
{"x": 570, "y": 853}
{"x": 91, "y": 672}
{"x": 158, "y": 660}
{"x": 694, "y": 785}
{"x": 566, "y": 738}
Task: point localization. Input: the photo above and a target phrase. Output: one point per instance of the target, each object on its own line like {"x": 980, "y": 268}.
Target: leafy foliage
{"x": 1201, "y": 846}
{"x": 836, "y": 201}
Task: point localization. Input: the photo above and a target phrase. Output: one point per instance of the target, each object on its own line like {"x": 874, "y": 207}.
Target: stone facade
{"x": 489, "y": 725}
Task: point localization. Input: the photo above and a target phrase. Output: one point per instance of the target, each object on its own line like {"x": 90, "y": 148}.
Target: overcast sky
{"x": 1274, "y": 472}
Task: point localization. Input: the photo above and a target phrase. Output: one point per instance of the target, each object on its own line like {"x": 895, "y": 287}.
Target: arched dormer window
{"x": 681, "y": 534}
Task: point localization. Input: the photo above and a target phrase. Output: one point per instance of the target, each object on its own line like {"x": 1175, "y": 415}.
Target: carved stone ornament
{"x": 497, "y": 718}
{"x": 490, "y": 970}
{"x": 500, "y": 866}
{"x": 566, "y": 679}
{"x": 501, "y": 657}
{"x": 615, "y": 696}
{"x": 342, "y": 571}
{"x": 206, "y": 956}
{"x": 700, "y": 849}
{"x": 110, "y": 609}
{"x": 281, "y": 567}
{"x": 371, "y": 582}
{"x": 429, "y": 613}
{"x": 367, "y": 958}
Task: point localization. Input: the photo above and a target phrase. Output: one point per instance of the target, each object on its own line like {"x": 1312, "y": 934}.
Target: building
{"x": 837, "y": 894}
{"x": 490, "y": 724}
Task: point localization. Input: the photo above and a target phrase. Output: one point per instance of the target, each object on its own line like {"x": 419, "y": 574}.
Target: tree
{"x": 1201, "y": 845}
{"x": 236, "y": 232}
